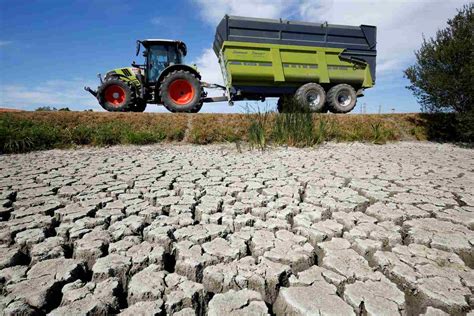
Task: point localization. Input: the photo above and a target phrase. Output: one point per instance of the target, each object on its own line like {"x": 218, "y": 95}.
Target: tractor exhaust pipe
{"x": 94, "y": 93}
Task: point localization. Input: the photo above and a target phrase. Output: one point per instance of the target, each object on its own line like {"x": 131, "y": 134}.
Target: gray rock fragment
{"x": 50, "y": 248}
{"x": 264, "y": 277}
{"x": 89, "y": 299}
{"x": 310, "y": 300}
{"x": 44, "y": 280}
{"x": 375, "y": 297}
{"x": 113, "y": 265}
{"x": 237, "y": 303}
{"x": 153, "y": 308}
{"x": 147, "y": 285}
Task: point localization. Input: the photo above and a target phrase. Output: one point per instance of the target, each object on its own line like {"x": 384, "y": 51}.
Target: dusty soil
{"x": 341, "y": 229}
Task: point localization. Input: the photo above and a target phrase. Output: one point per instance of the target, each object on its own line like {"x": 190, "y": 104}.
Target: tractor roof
{"x": 158, "y": 41}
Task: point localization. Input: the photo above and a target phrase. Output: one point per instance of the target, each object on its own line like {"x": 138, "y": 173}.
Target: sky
{"x": 51, "y": 49}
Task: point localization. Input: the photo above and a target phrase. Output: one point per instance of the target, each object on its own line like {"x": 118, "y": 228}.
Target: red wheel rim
{"x": 181, "y": 91}
{"x": 115, "y": 95}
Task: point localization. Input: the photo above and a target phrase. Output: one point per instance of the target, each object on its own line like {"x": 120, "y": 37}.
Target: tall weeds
{"x": 260, "y": 121}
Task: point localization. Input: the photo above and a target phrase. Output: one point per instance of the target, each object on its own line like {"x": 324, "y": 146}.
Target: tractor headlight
{"x": 137, "y": 71}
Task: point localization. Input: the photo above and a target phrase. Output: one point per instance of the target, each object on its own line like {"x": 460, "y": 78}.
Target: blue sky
{"x": 50, "y": 49}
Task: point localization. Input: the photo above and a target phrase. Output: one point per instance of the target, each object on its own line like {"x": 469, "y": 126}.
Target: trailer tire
{"x": 181, "y": 91}
{"x": 282, "y": 104}
{"x": 342, "y": 98}
{"x": 115, "y": 95}
{"x": 311, "y": 96}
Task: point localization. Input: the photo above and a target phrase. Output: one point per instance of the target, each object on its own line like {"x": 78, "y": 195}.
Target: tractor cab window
{"x": 161, "y": 57}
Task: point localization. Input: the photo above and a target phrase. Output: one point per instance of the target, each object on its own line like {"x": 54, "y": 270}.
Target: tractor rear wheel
{"x": 181, "y": 91}
{"x": 116, "y": 96}
{"x": 341, "y": 98}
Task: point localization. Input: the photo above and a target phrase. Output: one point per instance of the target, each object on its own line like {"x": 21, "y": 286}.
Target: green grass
{"x": 28, "y": 131}
{"x": 23, "y": 132}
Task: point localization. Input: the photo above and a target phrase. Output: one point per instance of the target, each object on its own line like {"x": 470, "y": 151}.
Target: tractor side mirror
{"x": 145, "y": 53}
{"x": 138, "y": 48}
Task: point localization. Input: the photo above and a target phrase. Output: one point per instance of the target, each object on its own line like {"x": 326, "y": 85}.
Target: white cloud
{"x": 55, "y": 93}
{"x": 156, "y": 21}
{"x": 212, "y": 11}
{"x": 400, "y": 23}
{"x": 208, "y": 66}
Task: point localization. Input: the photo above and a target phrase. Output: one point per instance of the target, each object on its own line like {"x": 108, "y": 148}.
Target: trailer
{"x": 324, "y": 66}
{"x": 320, "y": 66}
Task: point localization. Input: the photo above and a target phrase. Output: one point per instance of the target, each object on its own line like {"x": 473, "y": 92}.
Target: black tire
{"x": 139, "y": 106}
{"x": 197, "y": 108}
{"x": 181, "y": 91}
{"x": 341, "y": 98}
{"x": 282, "y": 104}
{"x": 115, "y": 95}
{"x": 311, "y": 96}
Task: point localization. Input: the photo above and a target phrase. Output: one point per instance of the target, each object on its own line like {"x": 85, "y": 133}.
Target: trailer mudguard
{"x": 178, "y": 67}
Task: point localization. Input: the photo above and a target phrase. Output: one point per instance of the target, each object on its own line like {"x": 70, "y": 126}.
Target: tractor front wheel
{"x": 181, "y": 91}
{"x": 116, "y": 96}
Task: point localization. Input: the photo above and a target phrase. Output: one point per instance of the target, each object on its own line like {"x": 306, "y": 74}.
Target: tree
{"x": 442, "y": 78}
{"x": 46, "y": 108}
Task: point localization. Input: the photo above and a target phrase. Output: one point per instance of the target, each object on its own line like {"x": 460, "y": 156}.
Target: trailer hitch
{"x": 93, "y": 92}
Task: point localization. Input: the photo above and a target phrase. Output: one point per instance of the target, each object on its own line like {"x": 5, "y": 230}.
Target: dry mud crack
{"x": 342, "y": 229}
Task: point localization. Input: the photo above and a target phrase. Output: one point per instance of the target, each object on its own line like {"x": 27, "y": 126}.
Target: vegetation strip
{"x": 27, "y": 131}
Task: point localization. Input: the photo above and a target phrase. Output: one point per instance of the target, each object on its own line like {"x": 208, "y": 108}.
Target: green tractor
{"x": 162, "y": 79}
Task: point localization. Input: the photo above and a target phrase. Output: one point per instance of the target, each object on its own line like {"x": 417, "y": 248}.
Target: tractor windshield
{"x": 160, "y": 57}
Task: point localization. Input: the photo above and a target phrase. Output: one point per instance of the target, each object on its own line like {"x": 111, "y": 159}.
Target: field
{"x": 341, "y": 229}
{"x": 27, "y": 131}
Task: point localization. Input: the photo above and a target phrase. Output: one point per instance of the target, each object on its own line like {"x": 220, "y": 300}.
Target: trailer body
{"x": 265, "y": 58}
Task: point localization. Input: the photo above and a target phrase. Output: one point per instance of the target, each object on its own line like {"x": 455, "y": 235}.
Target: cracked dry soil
{"x": 342, "y": 229}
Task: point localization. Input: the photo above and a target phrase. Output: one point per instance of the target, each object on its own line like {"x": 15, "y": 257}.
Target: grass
{"x": 27, "y": 131}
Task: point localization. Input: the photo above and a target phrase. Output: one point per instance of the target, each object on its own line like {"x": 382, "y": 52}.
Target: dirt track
{"x": 341, "y": 229}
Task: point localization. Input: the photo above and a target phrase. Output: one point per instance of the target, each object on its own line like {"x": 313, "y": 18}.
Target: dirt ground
{"x": 341, "y": 229}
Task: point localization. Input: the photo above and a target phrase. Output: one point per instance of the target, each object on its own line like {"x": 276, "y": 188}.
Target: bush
{"x": 465, "y": 127}
{"x": 109, "y": 134}
{"x": 143, "y": 137}
{"x": 81, "y": 135}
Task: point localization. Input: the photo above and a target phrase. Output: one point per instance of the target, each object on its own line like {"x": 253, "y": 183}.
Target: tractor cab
{"x": 160, "y": 54}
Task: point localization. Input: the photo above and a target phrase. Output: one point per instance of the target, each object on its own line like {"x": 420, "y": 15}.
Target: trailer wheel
{"x": 312, "y": 96}
{"x": 180, "y": 91}
{"x": 116, "y": 95}
{"x": 282, "y": 104}
{"x": 341, "y": 98}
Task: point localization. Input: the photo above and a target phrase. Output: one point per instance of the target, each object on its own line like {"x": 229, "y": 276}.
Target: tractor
{"x": 162, "y": 79}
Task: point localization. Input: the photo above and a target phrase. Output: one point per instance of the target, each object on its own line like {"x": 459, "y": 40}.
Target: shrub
{"x": 81, "y": 135}
{"x": 109, "y": 134}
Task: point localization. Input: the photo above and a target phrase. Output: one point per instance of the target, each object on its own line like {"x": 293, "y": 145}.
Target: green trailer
{"x": 324, "y": 66}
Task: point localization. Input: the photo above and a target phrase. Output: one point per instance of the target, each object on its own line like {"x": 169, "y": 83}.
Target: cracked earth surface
{"x": 342, "y": 229}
